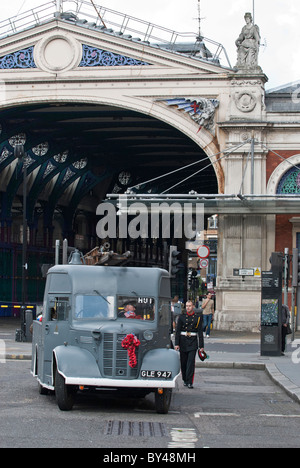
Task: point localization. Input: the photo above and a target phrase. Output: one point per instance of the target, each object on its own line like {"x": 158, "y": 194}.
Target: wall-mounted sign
{"x": 243, "y": 272}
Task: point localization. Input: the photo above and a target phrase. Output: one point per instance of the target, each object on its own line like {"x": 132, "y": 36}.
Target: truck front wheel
{"x": 65, "y": 394}
{"x": 162, "y": 400}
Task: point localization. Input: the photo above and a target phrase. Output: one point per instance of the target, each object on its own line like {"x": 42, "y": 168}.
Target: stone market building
{"x": 101, "y": 105}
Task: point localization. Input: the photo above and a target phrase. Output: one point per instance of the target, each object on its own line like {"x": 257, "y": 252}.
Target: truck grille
{"x": 115, "y": 358}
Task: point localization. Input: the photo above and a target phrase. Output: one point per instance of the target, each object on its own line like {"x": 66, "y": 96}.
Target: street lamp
{"x": 19, "y": 153}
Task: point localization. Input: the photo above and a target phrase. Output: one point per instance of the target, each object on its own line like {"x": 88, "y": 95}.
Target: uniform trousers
{"x": 187, "y": 360}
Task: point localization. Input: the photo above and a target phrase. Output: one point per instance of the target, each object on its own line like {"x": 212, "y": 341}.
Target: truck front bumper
{"x": 120, "y": 383}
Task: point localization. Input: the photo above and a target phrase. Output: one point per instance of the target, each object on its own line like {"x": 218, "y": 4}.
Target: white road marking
{"x": 183, "y": 437}
{"x": 2, "y": 352}
{"x": 235, "y": 415}
{"x": 291, "y": 416}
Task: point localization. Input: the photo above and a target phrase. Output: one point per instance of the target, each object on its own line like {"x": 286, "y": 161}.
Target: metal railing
{"x": 86, "y": 14}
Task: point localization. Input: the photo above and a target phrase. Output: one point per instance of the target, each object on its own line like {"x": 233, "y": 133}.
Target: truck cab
{"x": 105, "y": 328}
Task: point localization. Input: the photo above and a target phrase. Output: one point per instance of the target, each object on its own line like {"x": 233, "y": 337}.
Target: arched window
{"x": 290, "y": 182}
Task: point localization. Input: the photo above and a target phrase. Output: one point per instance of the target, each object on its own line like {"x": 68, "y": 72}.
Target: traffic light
{"x": 173, "y": 260}
{"x": 195, "y": 283}
{"x": 296, "y": 268}
{"x": 189, "y": 278}
{"x": 192, "y": 275}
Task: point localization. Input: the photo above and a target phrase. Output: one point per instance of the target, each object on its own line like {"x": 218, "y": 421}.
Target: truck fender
{"x": 162, "y": 359}
{"x": 75, "y": 362}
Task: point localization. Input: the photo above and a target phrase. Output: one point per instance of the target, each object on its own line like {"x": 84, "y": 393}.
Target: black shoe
{"x": 185, "y": 384}
{"x": 190, "y": 385}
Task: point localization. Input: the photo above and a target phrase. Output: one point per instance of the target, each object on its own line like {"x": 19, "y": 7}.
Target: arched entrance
{"x": 76, "y": 153}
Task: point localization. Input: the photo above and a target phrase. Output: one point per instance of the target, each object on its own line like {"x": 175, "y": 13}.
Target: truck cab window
{"x": 138, "y": 308}
{"x": 59, "y": 309}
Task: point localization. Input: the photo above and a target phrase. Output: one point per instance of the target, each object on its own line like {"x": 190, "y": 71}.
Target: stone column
{"x": 242, "y": 244}
{"x": 243, "y": 238}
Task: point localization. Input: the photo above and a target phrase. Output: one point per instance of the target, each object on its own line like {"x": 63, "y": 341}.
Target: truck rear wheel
{"x": 163, "y": 400}
{"x": 65, "y": 394}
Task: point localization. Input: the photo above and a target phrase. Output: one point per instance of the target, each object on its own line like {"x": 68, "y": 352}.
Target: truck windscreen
{"x": 96, "y": 307}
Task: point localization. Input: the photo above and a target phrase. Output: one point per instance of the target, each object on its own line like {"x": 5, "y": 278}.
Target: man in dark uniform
{"x": 188, "y": 339}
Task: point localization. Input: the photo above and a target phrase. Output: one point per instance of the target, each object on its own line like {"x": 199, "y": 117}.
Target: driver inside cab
{"x": 129, "y": 311}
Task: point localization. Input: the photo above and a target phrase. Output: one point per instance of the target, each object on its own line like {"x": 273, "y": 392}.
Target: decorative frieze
{"x": 94, "y": 57}
{"x": 20, "y": 59}
{"x": 201, "y": 110}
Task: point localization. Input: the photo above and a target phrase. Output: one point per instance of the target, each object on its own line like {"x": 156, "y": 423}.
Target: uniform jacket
{"x": 189, "y": 323}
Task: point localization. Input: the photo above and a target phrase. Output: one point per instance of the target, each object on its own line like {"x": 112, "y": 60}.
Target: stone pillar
{"x": 243, "y": 238}
{"x": 242, "y": 244}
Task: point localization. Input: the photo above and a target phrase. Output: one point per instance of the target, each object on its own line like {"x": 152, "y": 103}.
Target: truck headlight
{"x": 148, "y": 335}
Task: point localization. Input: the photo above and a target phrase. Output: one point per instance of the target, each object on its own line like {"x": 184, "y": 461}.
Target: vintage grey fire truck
{"x": 105, "y": 328}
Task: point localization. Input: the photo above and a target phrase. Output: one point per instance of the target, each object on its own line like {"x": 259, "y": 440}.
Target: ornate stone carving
{"x": 201, "y": 110}
{"x": 244, "y": 83}
{"x": 245, "y": 101}
{"x": 248, "y": 44}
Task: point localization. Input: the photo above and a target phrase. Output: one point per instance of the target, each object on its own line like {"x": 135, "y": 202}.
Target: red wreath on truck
{"x": 131, "y": 342}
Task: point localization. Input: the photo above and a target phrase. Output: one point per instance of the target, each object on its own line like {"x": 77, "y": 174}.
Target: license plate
{"x": 147, "y": 374}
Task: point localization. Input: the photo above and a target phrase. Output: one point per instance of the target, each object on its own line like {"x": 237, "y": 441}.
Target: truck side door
{"x": 56, "y": 327}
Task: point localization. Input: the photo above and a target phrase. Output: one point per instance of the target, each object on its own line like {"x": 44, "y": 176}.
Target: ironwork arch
{"x": 112, "y": 139}
{"x": 290, "y": 182}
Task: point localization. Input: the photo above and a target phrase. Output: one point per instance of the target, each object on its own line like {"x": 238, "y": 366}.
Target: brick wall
{"x": 273, "y": 160}
{"x": 284, "y": 231}
{"x": 284, "y": 228}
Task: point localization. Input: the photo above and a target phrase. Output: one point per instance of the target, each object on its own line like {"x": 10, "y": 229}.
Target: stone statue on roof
{"x": 248, "y": 44}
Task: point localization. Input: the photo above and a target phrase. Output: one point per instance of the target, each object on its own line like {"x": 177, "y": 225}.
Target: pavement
{"x": 239, "y": 350}
{"x": 226, "y": 349}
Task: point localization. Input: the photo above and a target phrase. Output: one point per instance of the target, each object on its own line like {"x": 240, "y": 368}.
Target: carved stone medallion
{"x": 245, "y": 101}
